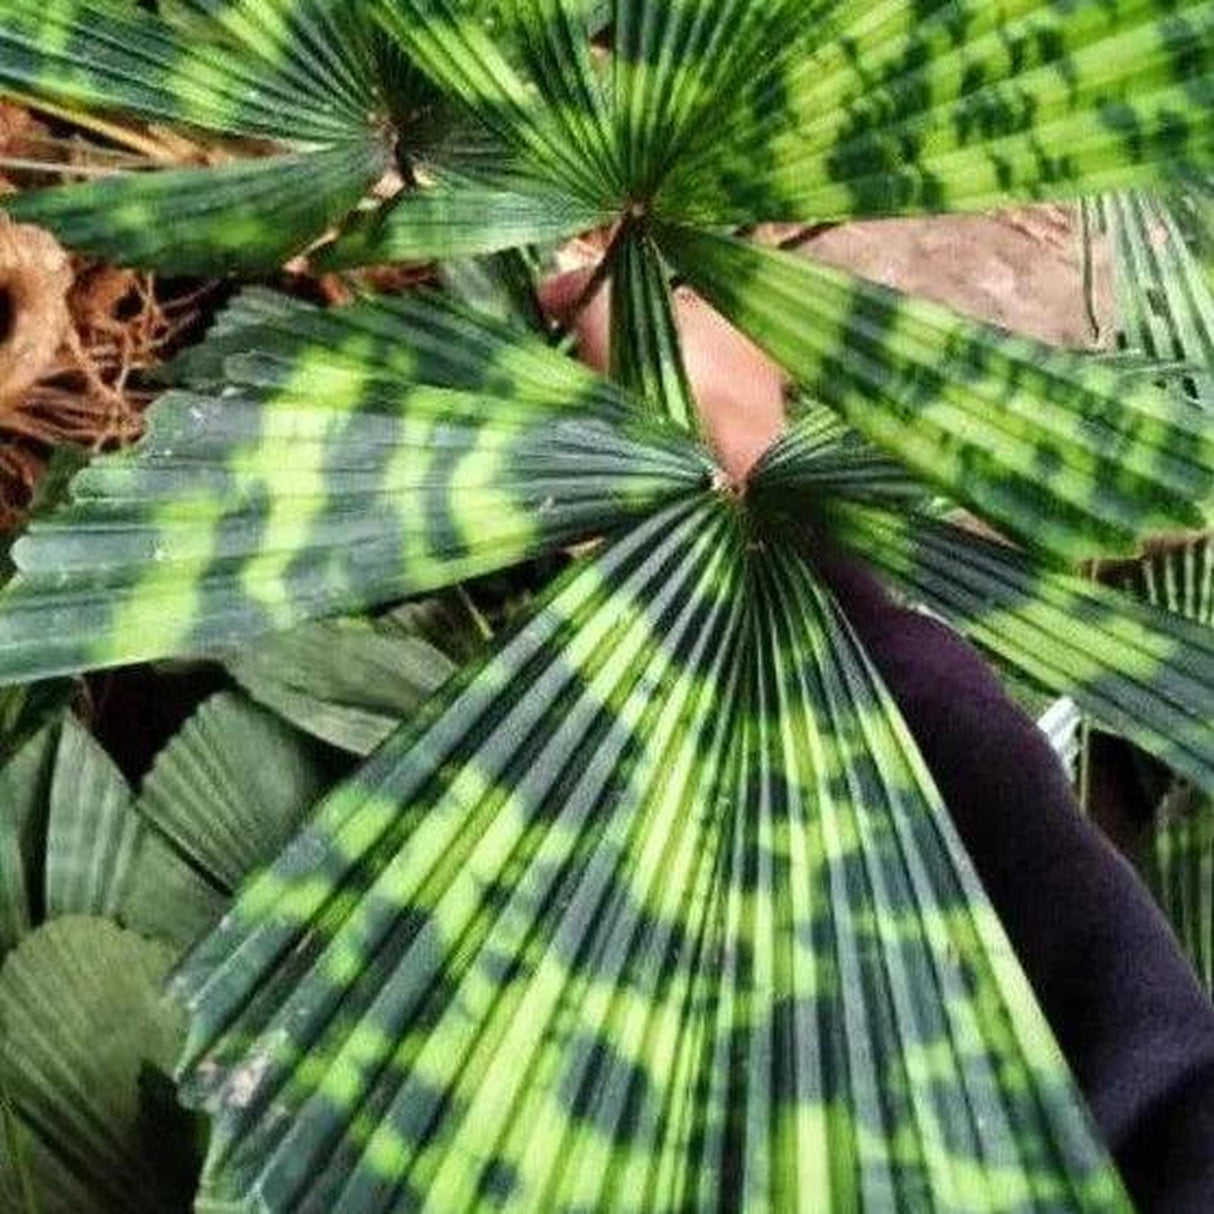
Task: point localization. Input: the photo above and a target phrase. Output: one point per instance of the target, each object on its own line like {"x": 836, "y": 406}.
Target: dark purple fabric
{"x": 1126, "y": 1009}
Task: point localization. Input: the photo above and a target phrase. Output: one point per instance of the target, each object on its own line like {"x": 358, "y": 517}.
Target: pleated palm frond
{"x": 1177, "y": 857}
{"x": 1165, "y": 299}
{"x": 302, "y": 106}
{"x": 655, "y": 906}
{"x": 352, "y": 458}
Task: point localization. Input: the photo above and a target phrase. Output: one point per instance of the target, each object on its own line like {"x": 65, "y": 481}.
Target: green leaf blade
{"x": 1044, "y": 444}
{"x": 658, "y": 905}
{"x": 317, "y": 484}
{"x": 91, "y": 831}
{"x": 456, "y": 51}
{"x": 1164, "y": 298}
{"x": 230, "y": 788}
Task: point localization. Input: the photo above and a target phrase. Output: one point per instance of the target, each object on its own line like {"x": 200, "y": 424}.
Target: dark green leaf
{"x": 91, "y": 830}
{"x": 820, "y": 455}
{"x": 82, "y": 1015}
{"x": 330, "y": 476}
{"x": 24, "y": 793}
{"x": 656, "y": 908}
{"x": 1048, "y": 445}
{"x": 346, "y": 681}
{"x": 230, "y": 788}
{"x": 252, "y": 67}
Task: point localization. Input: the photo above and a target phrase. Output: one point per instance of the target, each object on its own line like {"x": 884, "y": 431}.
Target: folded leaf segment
{"x": 303, "y": 86}
{"x": 657, "y": 908}
{"x": 352, "y": 458}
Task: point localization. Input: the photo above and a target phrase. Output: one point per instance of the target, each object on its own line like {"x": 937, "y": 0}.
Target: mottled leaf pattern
{"x": 329, "y": 477}
{"x": 1056, "y": 448}
{"x": 645, "y": 351}
{"x": 927, "y": 105}
{"x": 553, "y": 136}
{"x": 656, "y": 906}
{"x": 258, "y": 73}
{"x": 1164, "y": 299}
{"x": 1139, "y": 670}
{"x": 250, "y": 216}
{"x": 657, "y": 909}
{"x": 459, "y": 220}
{"x": 300, "y": 73}
{"x": 678, "y": 71}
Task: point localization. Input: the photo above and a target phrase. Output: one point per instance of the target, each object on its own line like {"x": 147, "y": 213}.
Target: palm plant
{"x": 655, "y": 906}
{"x": 101, "y": 891}
{"x": 1165, "y": 309}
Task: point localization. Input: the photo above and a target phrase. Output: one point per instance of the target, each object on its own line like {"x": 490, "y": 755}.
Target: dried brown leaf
{"x": 35, "y": 277}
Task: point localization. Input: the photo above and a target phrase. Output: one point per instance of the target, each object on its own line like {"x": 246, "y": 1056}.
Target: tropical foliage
{"x": 654, "y": 905}
{"x": 1166, "y": 324}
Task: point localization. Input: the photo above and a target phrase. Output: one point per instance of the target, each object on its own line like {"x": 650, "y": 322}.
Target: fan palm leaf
{"x": 656, "y": 906}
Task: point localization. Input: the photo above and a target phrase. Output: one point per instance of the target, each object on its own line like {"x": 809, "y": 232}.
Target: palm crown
{"x": 656, "y": 907}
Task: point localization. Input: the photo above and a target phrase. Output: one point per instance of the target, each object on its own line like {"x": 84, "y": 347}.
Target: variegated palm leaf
{"x": 354, "y": 457}
{"x": 656, "y": 907}
{"x": 1165, "y": 300}
{"x": 307, "y": 94}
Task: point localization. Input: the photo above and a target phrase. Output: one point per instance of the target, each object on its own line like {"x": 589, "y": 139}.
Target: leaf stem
{"x": 121, "y": 135}
{"x": 594, "y": 284}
